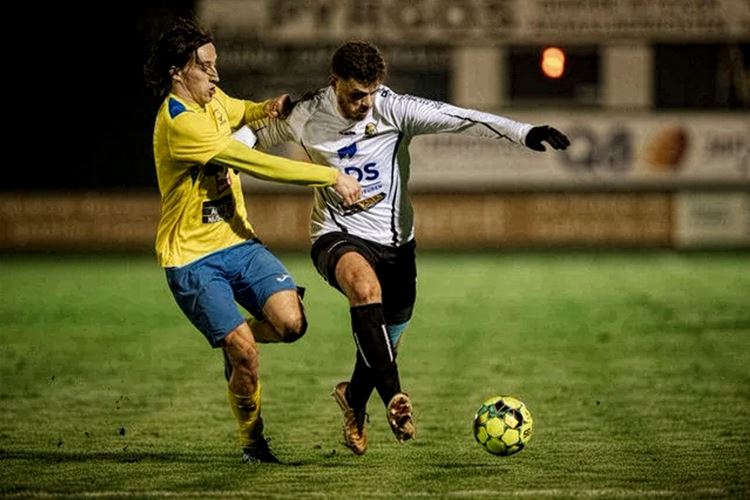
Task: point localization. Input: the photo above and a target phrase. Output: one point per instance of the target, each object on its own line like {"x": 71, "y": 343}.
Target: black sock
{"x": 361, "y": 385}
{"x": 375, "y": 353}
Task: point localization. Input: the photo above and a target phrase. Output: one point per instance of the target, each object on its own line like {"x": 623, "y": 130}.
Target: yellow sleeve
{"x": 240, "y": 111}
{"x": 193, "y": 139}
{"x": 274, "y": 168}
{"x": 255, "y": 111}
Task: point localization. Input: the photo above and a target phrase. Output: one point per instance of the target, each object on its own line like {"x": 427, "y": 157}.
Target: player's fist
{"x": 278, "y": 107}
{"x": 348, "y": 188}
{"x": 545, "y": 133}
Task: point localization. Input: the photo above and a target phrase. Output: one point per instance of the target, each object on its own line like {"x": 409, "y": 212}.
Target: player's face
{"x": 196, "y": 82}
{"x": 354, "y": 98}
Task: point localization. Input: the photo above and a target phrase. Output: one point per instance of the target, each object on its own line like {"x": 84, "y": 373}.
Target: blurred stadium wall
{"x": 655, "y": 96}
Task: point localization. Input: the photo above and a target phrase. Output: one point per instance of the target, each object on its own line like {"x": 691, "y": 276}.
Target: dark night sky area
{"x": 85, "y": 116}
{"x": 79, "y": 117}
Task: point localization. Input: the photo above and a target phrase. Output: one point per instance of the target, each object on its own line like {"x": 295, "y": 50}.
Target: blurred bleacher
{"x": 654, "y": 95}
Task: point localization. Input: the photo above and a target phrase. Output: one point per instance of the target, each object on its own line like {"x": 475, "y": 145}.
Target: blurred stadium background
{"x": 654, "y": 95}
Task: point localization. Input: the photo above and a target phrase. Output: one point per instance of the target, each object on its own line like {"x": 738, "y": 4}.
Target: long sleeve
{"x": 240, "y": 156}
{"x": 418, "y": 116}
{"x": 254, "y": 111}
{"x": 240, "y": 111}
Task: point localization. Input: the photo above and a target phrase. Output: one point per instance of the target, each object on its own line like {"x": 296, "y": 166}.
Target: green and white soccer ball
{"x": 503, "y": 425}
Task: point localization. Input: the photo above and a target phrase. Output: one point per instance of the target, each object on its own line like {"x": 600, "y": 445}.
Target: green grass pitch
{"x": 636, "y": 367}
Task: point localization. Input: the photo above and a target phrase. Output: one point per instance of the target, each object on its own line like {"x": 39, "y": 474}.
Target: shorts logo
{"x": 283, "y": 278}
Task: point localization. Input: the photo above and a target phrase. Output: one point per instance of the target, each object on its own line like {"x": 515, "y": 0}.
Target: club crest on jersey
{"x": 347, "y": 151}
{"x": 220, "y": 118}
{"x": 371, "y": 129}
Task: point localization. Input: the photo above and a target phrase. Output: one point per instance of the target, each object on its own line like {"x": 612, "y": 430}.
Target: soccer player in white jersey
{"x": 210, "y": 252}
{"x": 367, "y": 250}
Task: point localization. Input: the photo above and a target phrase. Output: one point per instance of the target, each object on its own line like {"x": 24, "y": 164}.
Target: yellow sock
{"x": 246, "y": 410}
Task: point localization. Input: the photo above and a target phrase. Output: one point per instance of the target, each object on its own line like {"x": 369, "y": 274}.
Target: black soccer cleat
{"x": 259, "y": 452}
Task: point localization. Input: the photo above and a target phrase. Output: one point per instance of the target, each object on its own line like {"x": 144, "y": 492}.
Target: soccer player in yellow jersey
{"x": 204, "y": 241}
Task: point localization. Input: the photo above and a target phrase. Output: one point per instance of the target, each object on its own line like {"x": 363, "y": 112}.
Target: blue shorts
{"x": 206, "y": 290}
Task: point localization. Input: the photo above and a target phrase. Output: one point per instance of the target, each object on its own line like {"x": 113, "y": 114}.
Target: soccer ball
{"x": 503, "y": 425}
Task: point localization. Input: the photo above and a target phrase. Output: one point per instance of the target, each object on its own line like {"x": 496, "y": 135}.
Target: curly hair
{"x": 174, "y": 49}
{"x": 359, "y": 60}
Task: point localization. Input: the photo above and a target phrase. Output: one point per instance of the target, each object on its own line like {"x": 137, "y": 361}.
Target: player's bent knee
{"x": 294, "y": 329}
{"x": 364, "y": 292}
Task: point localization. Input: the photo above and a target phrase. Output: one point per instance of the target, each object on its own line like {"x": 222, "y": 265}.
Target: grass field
{"x": 636, "y": 368}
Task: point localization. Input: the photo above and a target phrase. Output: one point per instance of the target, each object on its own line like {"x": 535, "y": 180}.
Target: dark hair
{"x": 359, "y": 60}
{"x": 174, "y": 49}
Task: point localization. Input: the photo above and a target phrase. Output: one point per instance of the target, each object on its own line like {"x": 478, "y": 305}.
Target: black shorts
{"x": 395, "y": 267}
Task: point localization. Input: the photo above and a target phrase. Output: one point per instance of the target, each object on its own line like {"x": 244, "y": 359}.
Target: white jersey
{"x": 375, "y": 151}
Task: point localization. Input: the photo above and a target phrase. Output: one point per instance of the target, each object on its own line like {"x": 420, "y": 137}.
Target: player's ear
{"x": 174, "y": 72}
{"x": 333, "y": 80}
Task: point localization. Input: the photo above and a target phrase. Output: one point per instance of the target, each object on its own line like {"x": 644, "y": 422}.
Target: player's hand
{"x": 545, "y": 133}
{"x": 348, "y": 188}
{"x": 279, "y": 107}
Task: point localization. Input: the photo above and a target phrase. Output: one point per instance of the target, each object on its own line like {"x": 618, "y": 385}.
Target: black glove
{"x": 554, "y": 137}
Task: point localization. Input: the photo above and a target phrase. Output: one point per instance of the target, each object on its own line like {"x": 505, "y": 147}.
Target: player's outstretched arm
{"x": 348, "y": 188}
{"x": 244, "y": 158}
{"x": 550, "y": 135}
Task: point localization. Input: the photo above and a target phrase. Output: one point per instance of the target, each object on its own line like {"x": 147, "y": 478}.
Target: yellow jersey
{"x": 197, "y": 166}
